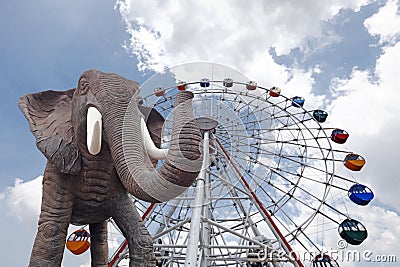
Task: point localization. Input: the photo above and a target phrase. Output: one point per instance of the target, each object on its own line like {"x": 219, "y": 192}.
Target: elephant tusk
{"x": 94, "y": 128}
{"x": 151, "y": 149}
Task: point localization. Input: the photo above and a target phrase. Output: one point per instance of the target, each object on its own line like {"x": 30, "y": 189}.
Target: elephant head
{"x": 101, "y": 118}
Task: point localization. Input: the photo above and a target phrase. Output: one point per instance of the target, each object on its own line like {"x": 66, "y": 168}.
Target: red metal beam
{"x": 263, "y": 209}
{"x": 125, "y": 243}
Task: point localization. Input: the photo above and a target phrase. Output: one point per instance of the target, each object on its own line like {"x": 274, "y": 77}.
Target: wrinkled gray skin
{"x": 81, "y": 188}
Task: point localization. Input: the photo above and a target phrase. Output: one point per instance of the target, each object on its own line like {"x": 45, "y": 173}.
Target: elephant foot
{"x": 142, "y": 258}
{"x": 141, "y": 252}
{"x": 41, "y": 263}
{"x": 140, "y": 242}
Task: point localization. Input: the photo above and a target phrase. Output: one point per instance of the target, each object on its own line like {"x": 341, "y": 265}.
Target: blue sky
{"x": 341, "y": 56}
{"x": 47, "y": 45}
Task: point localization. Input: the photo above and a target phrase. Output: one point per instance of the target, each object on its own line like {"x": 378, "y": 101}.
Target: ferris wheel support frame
{"x": 274, "y": 228}
{"x": 199, "y": 202}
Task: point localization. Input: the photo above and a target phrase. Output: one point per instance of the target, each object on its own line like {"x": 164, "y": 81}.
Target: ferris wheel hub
{"x": 206, "y": 123}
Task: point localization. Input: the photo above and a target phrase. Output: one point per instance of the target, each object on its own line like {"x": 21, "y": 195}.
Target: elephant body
{"x": 93, "y": 139}
{"x": 97, "y": 184}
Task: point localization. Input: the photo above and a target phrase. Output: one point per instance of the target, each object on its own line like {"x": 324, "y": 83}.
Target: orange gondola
{"x": 78, "y": 242}
{"x": 354, "y": 162}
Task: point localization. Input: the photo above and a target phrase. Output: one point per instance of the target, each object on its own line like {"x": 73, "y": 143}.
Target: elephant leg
{"x": 99, "y": 246}
{"x": 54, "y": 219}
{"x": 140, "y": 243}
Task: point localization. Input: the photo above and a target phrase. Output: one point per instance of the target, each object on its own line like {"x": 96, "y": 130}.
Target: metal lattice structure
{"x": 269, "y": 183}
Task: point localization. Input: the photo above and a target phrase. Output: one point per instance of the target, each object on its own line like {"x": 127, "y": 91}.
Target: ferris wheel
{"x": 274, "y": 182}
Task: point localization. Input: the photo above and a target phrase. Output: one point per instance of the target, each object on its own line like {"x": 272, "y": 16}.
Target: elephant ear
{"x": 49, "y": 117}
{"x": 154, "y": 122}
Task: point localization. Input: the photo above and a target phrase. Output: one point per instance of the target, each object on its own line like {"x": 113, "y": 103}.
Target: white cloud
{"x": 383, "y": 231}
{"x": 239, "y": 34}
{"x": 23, "y": 200}
{"x": 386, "y": 23}
{"x": 235, "y": 33}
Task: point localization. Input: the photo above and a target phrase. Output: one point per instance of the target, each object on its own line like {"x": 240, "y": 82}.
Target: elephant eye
{"x": 83, "y": 86}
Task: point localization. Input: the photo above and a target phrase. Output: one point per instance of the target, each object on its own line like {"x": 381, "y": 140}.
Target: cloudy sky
{"x": 342, "y": 55}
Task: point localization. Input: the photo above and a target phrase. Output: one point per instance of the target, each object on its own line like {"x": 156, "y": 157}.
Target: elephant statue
{"x": 100, "y": 149}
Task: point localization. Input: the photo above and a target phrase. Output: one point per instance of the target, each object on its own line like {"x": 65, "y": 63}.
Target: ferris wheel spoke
{"x": 290, "y": 197}
{"x": 306, "y": 236}
{"x": 312, "y": 208}
{"x": 317, "y": 211}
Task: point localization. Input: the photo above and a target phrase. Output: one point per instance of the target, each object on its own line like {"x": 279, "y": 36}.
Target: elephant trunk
{"x": 184, "y": 158}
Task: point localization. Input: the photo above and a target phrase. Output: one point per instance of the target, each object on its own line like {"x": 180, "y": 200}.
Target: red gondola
{"x": 181, "y": 85}
{"x": 275, "y": 91}
{"x": 339, "y": 136}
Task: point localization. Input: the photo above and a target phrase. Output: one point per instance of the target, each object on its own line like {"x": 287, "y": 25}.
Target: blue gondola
{"x": 352, "y": 231}
{"x": 205, "y": 82}
{"x": 297, "y": 101}
{"x": 320, "y": 115}
{"x": 360, "y": 194}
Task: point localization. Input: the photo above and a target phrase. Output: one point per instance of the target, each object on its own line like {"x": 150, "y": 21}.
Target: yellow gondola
{"x": 354, "y": 162}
